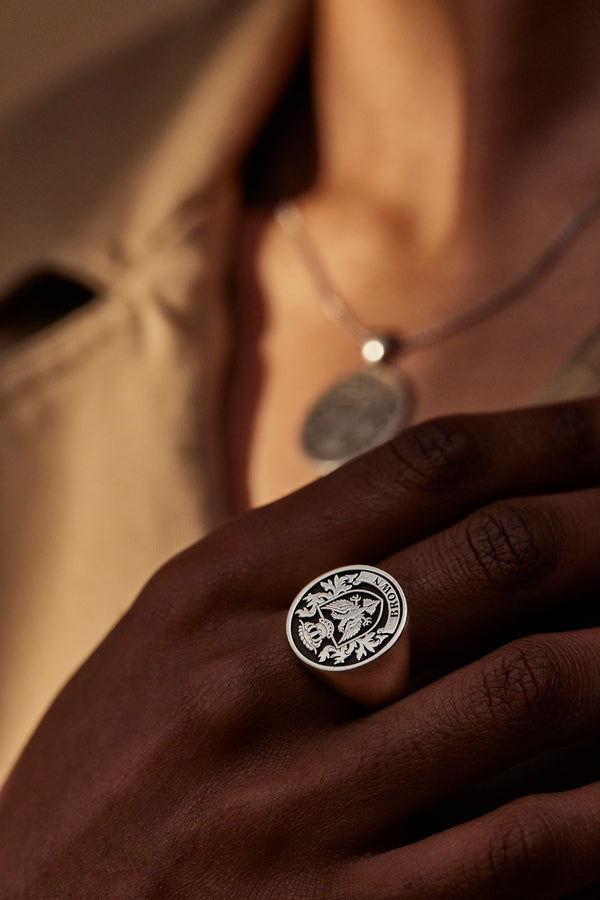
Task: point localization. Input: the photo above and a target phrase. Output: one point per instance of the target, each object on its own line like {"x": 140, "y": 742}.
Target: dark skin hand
{"x": 194, "y": 756}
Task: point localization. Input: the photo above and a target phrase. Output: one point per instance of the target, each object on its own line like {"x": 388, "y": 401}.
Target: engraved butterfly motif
{"x": 352, "y": 616}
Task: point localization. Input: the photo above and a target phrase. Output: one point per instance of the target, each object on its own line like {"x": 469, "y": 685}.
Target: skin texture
{"x": 193, "y": 756}
{"x": 452, "y": 139}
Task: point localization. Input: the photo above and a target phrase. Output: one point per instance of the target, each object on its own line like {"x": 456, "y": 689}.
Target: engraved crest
{"x": 346, "y": 617}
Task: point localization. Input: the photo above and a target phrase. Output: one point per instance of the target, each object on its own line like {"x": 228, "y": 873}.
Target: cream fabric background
{"x": 121, "y": 126}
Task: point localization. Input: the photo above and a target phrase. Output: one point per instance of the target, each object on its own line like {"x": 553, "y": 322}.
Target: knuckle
{"x": 163, "y": 598}
{"x": 237, "y": 696}
{"x": 236, "y": 680}
{"x": 215, "y": 704}
{"x": 437, "y": 454}
{"x": 521, "y": 686}
{"x": 181, "y": 592}
{"x": 510, "y": 544}
{"x": 520, "y": 848}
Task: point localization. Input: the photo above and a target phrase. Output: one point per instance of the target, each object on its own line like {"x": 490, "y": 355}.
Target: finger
{"x": 502, "y": 564}
{"x": 480, "y": 577}
{"x": 543, "y": 846}
{"x": 424, "y": 480}
{"x": 530, "y": 696}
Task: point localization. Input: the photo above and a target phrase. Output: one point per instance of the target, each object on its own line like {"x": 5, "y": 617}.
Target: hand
{"x": 193, "y": 756}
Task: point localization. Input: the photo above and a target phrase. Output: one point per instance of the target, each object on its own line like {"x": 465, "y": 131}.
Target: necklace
{"x": 370, "y": 406}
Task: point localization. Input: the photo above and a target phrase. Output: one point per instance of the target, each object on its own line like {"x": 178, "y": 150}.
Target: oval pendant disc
{"x": 355, "y": 415}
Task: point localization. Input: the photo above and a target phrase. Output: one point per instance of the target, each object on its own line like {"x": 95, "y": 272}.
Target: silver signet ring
{"x": 350, "y": 627}
{"x": 349, "y": 618}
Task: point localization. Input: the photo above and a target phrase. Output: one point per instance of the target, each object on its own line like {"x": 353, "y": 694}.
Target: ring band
{"x": 346, "y": 618}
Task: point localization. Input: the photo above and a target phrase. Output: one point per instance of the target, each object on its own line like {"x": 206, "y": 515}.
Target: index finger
{"x": 425, "y": 479}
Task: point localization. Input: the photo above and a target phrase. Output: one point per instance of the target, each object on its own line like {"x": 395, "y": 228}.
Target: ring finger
{"x": 479, "y": 578}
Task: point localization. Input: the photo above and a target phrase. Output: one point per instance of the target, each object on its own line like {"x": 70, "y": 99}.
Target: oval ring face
{"x": 346, "y": 618}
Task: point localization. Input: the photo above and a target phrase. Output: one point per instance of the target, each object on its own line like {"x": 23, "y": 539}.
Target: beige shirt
{"x": 121, "y": 129}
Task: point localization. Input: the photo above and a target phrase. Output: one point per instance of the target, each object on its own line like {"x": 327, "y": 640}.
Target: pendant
{"x": 357, "y": 414}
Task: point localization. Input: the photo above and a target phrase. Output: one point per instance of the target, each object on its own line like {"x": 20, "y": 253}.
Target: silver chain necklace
{"x": 369, "y": 407}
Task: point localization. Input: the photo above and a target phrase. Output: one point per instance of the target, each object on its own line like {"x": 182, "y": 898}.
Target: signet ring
{"x": 349, "y": 626}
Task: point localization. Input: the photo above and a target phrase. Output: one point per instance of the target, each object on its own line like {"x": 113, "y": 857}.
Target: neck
{"x": 427, "y": 109}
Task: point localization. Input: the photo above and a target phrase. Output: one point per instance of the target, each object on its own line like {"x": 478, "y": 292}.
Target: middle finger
{"x": 506, "y": 562}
